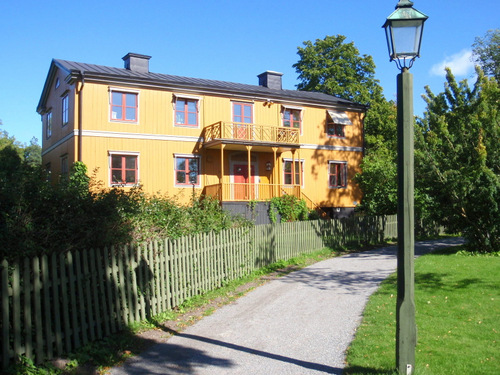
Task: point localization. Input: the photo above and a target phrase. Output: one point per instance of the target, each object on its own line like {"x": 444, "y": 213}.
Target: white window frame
{"x": 301, "y": 161}
{"x": 64, "y": 167}
{"x": 48, "y": 124}
{"x": 284, "y": 107}
{"x": 198, "y": 110}
{"x": 110, "y": 104}
{"x": 190, "y": 156}
{"x": 65, "y": 109}
{"x": 124, "y": 153}
{"x": 346, "y": 173}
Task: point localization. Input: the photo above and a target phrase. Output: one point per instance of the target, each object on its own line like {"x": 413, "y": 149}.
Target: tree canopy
{"x": 486, "y": 52}
{"x": 458, "y": 158}
{"x": 334, "y": 67}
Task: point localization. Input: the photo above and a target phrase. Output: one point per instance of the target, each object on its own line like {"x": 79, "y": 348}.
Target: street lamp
{"x": 403, "y": 29}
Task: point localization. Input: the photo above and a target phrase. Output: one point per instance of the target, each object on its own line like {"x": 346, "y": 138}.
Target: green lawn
{"x": 457, "y": 301}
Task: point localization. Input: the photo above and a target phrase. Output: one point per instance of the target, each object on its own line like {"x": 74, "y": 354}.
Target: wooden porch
{"x": 245, "y": 192}
{"x": 232, "y": 192}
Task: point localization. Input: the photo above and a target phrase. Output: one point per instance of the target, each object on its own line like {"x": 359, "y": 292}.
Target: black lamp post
{"x": 403, "y": 29}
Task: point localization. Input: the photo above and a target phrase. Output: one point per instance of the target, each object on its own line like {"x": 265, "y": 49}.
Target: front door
{"x": 244, "y": 188}
{"x": 242, "y": 115}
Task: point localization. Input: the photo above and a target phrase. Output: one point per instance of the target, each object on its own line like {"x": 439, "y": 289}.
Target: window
{"x": 186, "y": 111}
{"x": 48, "y": 125}
{"x": 292, "y": 175}
{"x": 64, "y": 167}
{"x": 291, "y": 118}
{"x": 336, "y": 122}
{"x": 243, "y": 113}
{"x": 124, "y": 169}
{"x": 64, "y": 110}
{"x": 48, "y": 171}
{"x": 335, "y": 130}
{"x": 123, "y": 106}
{"x": 337, "y": 174}
{"x": 187, "y": 170}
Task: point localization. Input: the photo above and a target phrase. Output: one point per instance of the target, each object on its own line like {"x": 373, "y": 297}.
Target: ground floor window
{"x": 187, "y": 170}
{"x": 291, "y": 172}
{"x": 124, "y": 169}
{"x": 64, "y": 167}
{"x": 337, "y": 174}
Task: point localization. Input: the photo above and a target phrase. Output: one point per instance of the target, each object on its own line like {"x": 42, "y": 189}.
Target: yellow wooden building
{"x": 175, "y": 135}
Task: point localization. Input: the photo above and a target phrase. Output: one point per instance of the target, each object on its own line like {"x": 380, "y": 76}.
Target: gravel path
{"x": 301, "y": 323}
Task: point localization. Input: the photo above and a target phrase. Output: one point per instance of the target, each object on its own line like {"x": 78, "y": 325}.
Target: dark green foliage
{"x": 336, "y": 68}
{"x": 37, "y": 217}
{"x": 289, "y": 207}
{"x": 379, "y": 183}
{"x": 159, "y": 217}
{"x": 458, "y": 159}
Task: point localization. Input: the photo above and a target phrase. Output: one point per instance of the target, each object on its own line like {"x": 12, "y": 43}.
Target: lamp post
{"x": 403, "y": 29}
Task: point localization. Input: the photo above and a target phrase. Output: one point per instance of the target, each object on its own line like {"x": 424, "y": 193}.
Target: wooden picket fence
{"x": 52, "y": 305}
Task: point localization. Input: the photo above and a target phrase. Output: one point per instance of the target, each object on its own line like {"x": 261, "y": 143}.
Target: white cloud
{"x": 460, "y": 64}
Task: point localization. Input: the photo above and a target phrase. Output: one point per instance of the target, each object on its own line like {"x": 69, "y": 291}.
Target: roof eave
{"x": 54, "y": 66}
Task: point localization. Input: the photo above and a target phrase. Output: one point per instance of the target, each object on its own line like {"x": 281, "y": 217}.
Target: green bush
{"x": 78, "y": 213}
{"x": 289, "y": 207}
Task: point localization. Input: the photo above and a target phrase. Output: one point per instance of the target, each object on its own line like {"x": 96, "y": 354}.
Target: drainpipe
{"x": 80, "y": 101}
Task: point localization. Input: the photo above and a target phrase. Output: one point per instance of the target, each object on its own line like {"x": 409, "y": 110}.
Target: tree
{"x": 457, "y": 157}
{"x": 31, "y": 153}
{"x": 337, "y": 68}
{"x": 486, "y": 52}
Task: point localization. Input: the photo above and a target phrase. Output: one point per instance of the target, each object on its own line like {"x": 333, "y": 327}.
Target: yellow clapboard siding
{"x": 156, "y": 139}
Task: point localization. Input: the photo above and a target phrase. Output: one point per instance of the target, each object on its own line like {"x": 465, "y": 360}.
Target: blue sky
{"x": 228, "y": 40}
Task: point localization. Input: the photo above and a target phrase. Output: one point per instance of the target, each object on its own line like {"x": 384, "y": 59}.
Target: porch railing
{"x": 251, "y": 132}
{"x": 248, "y": 192}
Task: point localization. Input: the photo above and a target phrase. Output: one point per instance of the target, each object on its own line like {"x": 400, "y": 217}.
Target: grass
{"x": 457, "y": 298}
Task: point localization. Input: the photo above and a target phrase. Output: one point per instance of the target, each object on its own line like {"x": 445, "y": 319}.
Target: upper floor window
{"x": 335, "y": 130}
{"x": 124, "y": 106}
{"x": 292, "y": 170}
{"x": 337, "y": 174}
{"x": 124, "y": 169}
{"x": 292, "y": 118}
{"x": 187, "y": 170}
{"x": 243, "y": 113}
{"x": 48, "y": 125}
{"x": 65, "y": 106}
{"x": 186, "y": 111}
{"x": 336, "y": 122}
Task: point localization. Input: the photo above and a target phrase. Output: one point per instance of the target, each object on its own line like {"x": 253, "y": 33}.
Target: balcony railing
{"x": 251, "y": 132}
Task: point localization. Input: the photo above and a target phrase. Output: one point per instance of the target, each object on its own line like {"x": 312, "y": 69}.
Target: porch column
{"x": 300, "y": 172}
{"x": 249, "y": 184}
{"x": 221, "y": 180}
{"x": 275, "y": 174}
{"x": 293, "y": 170}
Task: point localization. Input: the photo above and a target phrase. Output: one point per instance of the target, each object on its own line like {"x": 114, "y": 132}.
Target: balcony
{"x": 235, "y": 133}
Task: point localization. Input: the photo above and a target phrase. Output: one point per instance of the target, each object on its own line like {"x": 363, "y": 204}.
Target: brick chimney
{"x": 136, "y": 63}
{"x": 271, "y": 80}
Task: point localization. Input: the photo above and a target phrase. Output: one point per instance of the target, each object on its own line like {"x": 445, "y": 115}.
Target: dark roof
{"x": 178, "y": 82}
